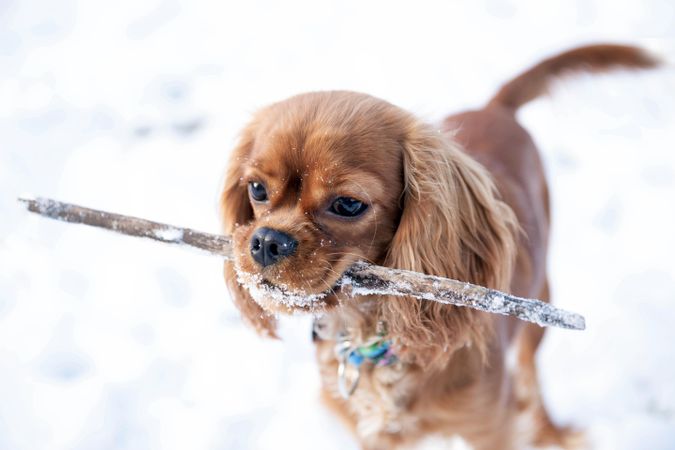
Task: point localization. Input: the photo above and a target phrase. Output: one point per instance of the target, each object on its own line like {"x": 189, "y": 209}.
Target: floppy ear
{"x": 235, "y": 209}
{"x": 454, "y": 225}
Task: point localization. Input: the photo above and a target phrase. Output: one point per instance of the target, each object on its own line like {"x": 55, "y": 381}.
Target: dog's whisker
{"x": 357, "y": 255}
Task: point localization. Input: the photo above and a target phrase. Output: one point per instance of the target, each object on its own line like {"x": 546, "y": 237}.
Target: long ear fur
{"x": 236, "y": 210}
{"x": 453, "y": 224}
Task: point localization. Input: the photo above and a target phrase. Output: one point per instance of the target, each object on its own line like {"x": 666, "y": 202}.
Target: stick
{"x": 361, "y": 279}
{"x": 132, "y": 226}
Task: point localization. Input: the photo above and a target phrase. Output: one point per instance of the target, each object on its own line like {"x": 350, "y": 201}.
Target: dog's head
{"x": 322, "y": 180}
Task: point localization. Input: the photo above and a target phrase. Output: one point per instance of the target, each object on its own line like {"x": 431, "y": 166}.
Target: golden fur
{"x": 469, "y": 203}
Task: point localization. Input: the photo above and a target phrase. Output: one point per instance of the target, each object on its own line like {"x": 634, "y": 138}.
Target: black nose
{"x": 269, "y": 246}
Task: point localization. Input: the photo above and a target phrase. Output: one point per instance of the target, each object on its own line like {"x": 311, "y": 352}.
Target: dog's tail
{"x": 593, "y": 58}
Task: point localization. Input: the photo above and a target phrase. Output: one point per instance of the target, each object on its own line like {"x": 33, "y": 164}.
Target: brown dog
{"x": 324, "y": 179}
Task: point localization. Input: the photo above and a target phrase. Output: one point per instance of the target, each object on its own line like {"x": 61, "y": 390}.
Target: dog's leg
{"x": 528, "y": 394}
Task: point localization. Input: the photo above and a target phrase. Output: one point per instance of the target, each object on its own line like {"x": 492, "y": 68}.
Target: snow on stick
{"x": 361, "y": 279}
{"x": 367, "y": 279}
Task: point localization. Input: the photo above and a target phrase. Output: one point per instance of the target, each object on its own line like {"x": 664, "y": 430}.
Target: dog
{"x": 324, "y": 179}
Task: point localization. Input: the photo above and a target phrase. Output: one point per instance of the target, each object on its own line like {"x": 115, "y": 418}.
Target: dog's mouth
{"x": 279, "y": 296}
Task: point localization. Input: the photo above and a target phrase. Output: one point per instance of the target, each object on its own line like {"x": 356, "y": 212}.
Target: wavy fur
{"x": 453, "y": 225}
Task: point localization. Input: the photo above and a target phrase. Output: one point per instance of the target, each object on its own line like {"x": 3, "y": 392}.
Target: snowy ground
{"x": 109, "y": 342}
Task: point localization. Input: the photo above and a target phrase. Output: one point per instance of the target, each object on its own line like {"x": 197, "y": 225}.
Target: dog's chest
{"x": 379, "y": 404}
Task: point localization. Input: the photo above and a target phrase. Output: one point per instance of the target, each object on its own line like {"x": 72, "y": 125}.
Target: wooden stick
{"x": 361, "y": 279}
{"x": 132, "y": 226}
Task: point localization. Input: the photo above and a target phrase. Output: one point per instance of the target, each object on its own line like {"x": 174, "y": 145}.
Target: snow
{"x": 261, "y": 291}
{"x": 169, "y": 234}
{"x": 114, "y": 343}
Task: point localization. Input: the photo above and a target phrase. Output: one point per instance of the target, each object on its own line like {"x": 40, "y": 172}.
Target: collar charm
{"x": 376, "y": 351}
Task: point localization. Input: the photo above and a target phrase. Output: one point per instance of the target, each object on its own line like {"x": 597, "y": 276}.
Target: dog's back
{"x": 493, "y": 136}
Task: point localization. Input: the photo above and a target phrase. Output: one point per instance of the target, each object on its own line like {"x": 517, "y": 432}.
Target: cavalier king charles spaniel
{"x": 324, "y": 179}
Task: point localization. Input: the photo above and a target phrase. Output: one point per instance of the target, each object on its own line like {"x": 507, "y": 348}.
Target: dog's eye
{"x": 347, "y": 207}
{"x": 257, "y": 191}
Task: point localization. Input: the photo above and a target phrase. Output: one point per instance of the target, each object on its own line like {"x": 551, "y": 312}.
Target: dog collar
{"x": 376, "y": 352}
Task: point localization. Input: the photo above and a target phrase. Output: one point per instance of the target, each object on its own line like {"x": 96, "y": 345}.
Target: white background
{"x": 109, "y": 342}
